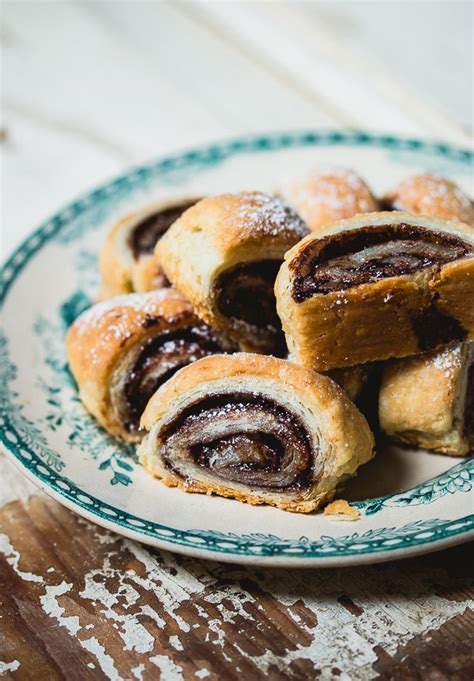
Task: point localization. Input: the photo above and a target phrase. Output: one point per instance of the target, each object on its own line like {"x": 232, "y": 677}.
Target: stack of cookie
{"x": 388, "y": 285}
{"x": 229, "y": 324}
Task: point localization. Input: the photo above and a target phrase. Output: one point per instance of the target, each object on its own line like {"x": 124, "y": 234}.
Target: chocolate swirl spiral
{"x": 160, "y": 358}
{"x": 240, "y": 438}
{"x": 245, "y": 295}
{"x": 347, "y": 259}
{"x": 144, "y": 236}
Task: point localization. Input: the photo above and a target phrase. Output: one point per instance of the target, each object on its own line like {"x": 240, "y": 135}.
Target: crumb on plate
{"x": 342, "y": 508}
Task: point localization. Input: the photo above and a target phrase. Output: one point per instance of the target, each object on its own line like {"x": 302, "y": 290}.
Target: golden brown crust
{"x": 148, "y": 275}
{"x": 115, "y": 263}
{"x": 254, "y": 500}
{"x": 219, "y": 233}
{"x": 373, "y": 321}
{"x": 314, "y": 387}
{"x": 324, "y": 196}
{"x": 234, "y": 223}
{"x": 342, "y": 508}
{"x": 343, "y": 436}
{"x": 106, "y": 333}
{"x": 120, "y": 271}
{"x": 453, "y": 289}
{"x": 422, "y": 399}
{"x": 429, "y": 194}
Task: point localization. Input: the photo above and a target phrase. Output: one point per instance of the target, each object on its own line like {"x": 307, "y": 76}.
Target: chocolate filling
{"x": 241, "y": 438}
{"x": 245, "y": 294}
{"x": 160, "y": 358}
{"x": 342, "y": 261}
{"x": 433, "y": 327}
{"x": 145, "y": 235}
{"x": 388, "y": 204}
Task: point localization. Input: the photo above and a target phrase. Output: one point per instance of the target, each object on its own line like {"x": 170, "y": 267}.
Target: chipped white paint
{"x": 391, "y": 608}
{"x": 105, "y": 662}
{"x": 153, "y": 615}
{"x": 102, "y": 537}
{"x": 138, "y": 672}
{"x": 215, "y": 626}
{"x": 13, "y": 558}
{"x": 171, "y": 589}
{"x": 237, "y": 597}
{"x": 177, "y": 587}
{"x": 135, "y": 635}
{"x": 168, "y": 669}
{"x": 391, "y": 617}
{"x": 9, "y": 666}
{"x": 50, "y": 605}
{"x": 176, "y": 643}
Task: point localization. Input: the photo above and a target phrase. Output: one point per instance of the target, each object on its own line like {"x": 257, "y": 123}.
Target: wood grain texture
{"x": 147, "y": 78}
{"x": 425, "y": 65}
{"x": 80, "y": 602}
{"x": 338, "y": 68}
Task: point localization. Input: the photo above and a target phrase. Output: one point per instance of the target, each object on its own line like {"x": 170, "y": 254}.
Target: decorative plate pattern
{"x": 46, "y": 430}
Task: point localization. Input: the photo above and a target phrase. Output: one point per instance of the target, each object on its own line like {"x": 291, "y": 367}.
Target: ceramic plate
{"x": 410, "y": 501}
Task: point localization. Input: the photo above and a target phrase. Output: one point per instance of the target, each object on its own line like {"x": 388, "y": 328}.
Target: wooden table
{"x": 91, "y": 88}
{"x": 79, "y": 602}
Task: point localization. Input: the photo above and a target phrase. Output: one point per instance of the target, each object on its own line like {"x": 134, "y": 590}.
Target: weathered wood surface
{"x": 79, "y": 602}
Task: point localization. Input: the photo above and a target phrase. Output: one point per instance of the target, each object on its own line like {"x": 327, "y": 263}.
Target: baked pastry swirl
{"x": 255, "y": 428}
{"x": 223, "y": 254}
{"x": 120, "y": 351}
{"x": 428, "y": 194}
{"x": 377, "y": 286}
{"x": 428, "y": 400}
{"x": 127, "y": 261}
{"x": 326, "y": 195}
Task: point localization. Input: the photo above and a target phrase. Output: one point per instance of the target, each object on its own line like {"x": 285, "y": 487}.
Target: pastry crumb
{"x": 342, "y": 508}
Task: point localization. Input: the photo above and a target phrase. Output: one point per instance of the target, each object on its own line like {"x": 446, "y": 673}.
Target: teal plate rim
{"x": 435, "y": 532}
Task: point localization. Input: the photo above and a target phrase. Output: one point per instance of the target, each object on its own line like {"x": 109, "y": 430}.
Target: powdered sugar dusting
{"x": 328, "y": 194}
{"x": 448, "y": 360}
{"x": 143, "y": 303}
{"x": 113, "y": 320}
{"x": 331, "y": 172}
{"x": 269, "y": 215}
{"x": 430, "y": 194}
